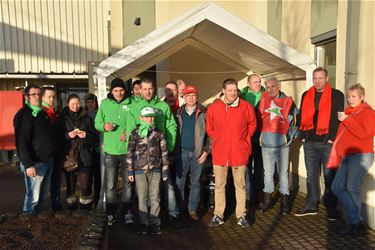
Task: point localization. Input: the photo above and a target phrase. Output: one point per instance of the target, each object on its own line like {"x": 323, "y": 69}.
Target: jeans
{"x": 316, "y": 155}
{"x": 37, "y": 187}
{"x": 221, "y": 173}
{"x": 148, "y": 187}
{"x": 347, "y": 184}
{"x": 114, "y": 163}
{"x": 187, "y": 162}
{"x": 280, "y": 158}
{"x": 254, "y": 174}
{"x": 169, "y": 195}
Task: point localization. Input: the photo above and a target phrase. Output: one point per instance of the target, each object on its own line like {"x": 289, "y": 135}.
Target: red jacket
{"x": 230, "y": 128}
{"x": 355, "y": 135}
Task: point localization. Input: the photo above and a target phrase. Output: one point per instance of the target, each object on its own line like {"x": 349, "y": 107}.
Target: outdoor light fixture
{"x": 137, "y": 21}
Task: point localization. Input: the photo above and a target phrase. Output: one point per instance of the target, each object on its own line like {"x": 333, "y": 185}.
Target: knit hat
{"x": 148, "y": 111}
{"x": 190, "y": 89}
{"x": 117, "y": 83}
{"x": 91, "y": 97}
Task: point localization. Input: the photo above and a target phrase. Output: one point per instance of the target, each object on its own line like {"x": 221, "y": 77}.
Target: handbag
{"x": 71, "y": 161}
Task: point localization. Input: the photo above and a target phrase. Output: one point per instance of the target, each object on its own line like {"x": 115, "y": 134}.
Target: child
{"x": 147, "y": 159}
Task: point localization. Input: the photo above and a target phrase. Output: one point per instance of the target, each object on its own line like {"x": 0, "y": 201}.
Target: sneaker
{"x": 332, "y": 217}
{"x": 155, "y": 229}
{"x": 110, "y": 220}
{"x": 303, "y": 211}
{"x": 242, "y": 222}
{"x": 194, "y": 216}
{"x": 142, "y": 229}
{"x": 216, "y": 221}
{"x": 128, "y": 218}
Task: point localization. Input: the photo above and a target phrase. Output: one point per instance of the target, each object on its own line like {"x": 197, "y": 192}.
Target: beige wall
{"x": 133, "y": 9}
{"x": 274, "y": 18}
{"x": 117, "y": 30}
{"x": 324, "y": 16}
{"x": 295, "y": 15}
{"x": 254, "y": 12}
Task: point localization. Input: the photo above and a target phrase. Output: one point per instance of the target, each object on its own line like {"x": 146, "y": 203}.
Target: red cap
{"x": 189, "y": 90}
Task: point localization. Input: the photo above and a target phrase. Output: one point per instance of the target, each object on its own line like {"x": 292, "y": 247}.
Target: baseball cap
{"x": 148, "y": 111}
{"x": 190, "y": 89}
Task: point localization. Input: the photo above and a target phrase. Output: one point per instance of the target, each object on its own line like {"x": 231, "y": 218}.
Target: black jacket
{"x": 68, "y": 121}
{"x": 35, "y": 139}
{"x": 337, "y": 105}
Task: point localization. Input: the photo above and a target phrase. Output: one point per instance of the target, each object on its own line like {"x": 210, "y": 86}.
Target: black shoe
{"x": 175, "y": 222}
{"x": 303, "y": 211}
{"x": 284, "y": 204}
{"x": 57, "y": 207}
{"x": 332, "y": 217}
{"x": 155, "y": 229}
{"x": 172, "y": 219}
{"x": 266, "y": 204}
{"x": 357, "y": 229}
{"x": 142, "y": 229}
{"x": 345, "y": 230}
{"x": 72, "y": 207}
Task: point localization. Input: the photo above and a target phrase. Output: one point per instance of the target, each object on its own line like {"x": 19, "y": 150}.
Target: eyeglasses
{"x": 35, "y": 94}
{"x": 193, "y": 95}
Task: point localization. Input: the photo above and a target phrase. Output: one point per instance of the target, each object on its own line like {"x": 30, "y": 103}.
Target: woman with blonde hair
{"x": 353, "y": 154}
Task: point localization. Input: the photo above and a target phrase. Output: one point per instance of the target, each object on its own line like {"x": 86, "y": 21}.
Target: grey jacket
{"x": 201, "y": 140}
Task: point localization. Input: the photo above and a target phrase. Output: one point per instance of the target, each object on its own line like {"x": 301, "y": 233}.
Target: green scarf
{"x": 44, "y": 104}
{"x": 144, "y": 128}
{"x": 252, "y": 97}
{"x": 258, "y": 96}
{"x": 35, "y": 109}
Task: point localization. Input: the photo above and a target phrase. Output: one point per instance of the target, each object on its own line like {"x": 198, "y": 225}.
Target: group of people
{"x": 155, "y": 143}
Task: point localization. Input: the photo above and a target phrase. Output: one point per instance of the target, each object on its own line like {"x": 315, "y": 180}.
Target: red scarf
{"x": 336, "y": 156}
{"x": 175, "y": 106}
{"x": 308, "y": 110}
{"x": 349, "y": 110}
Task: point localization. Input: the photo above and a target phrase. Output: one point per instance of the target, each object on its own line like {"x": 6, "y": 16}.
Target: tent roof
{"x": 218, "y": 31}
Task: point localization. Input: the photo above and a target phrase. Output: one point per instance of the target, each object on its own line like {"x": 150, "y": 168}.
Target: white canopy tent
{"x": 218, "y": 31}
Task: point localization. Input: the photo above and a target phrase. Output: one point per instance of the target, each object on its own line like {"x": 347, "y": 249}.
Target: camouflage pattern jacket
{"x": 147, "y": 153}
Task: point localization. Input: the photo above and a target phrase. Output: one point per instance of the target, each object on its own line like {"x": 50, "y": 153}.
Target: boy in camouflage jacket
{"x": 147, "y": 161}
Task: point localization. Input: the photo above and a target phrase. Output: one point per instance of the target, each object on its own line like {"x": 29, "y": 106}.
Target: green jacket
{"x": 164, "y": 121}
{"x": 250, "y": 96}
{"x": 112, "y": 111}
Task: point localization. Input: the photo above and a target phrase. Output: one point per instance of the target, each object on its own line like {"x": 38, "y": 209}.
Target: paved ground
{"x": 268, "y": 231}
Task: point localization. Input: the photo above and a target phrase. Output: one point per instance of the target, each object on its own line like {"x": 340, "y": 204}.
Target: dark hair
{"x": 91, "y": 96}
{"x": 31, "y": 86}
{"x": 229, "y": 81}
{"x": 48, "y": 88}
{"x": 320, "y": 69}
{"x": 148, "y": 81}
{"x": 136, "y": 82}
{"x": 171, "y": 82}
{"x": 73, "y": 96}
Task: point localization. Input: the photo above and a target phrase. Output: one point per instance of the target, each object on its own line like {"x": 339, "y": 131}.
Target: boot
{"x": 266, "y": 202}
{"x": 71, "y": 200}
{"x": 284, "y": 206}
